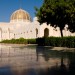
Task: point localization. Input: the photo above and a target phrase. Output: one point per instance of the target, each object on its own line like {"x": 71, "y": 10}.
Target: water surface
{"x": 34, "y": 60}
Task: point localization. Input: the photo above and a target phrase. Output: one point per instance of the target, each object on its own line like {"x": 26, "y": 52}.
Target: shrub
{"x": 20, "y": 41}
{"x": 31, "y": 41}
{"x": 45, "y": 41}
{"x": 56, "y": 41}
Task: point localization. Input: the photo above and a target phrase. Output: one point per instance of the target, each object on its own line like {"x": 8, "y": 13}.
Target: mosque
{"x": 21, "y": 26}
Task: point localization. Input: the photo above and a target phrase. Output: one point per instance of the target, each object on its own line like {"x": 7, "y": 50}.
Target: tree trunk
{"x": 61, "y": 32}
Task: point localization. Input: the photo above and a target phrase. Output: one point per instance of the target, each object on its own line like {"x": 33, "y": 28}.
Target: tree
{"x": 57, "y": 12}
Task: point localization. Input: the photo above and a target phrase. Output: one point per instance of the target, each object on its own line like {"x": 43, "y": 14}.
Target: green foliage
{"x": 20, "y": 41}
{"x": 40, "y": 41}
{"x": 31, "y": 41}
{"x": 58, "y": 12}
{"x": 45, "y": 41}
{"x": 56, "y": 41}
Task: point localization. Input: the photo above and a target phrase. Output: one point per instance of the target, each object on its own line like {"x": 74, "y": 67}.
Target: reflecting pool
{"x": 34, "y": 60}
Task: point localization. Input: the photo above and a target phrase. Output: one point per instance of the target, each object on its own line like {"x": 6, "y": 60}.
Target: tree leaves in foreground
{"x": 57, "y": 12}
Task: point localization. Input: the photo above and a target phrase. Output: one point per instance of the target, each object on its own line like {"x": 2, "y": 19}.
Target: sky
{"x": 7, "y": 7}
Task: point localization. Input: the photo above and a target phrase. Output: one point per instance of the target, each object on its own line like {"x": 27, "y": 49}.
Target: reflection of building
{"x": 20, "y": 25}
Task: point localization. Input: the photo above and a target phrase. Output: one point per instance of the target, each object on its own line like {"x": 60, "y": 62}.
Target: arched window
{"x": 14, "y": 36}
{"x": 46, "y": 32}
{"x": 9, "y": 32}
{"x": 36, "y": 32}
{"x": 1, "y": 32}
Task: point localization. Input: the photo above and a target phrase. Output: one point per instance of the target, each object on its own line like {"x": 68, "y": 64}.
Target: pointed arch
{"x": 46, "y": 32}
{"x": 9, "y": 32}
{"x": 1, "y": 32}
{"x": 36, "y": 32}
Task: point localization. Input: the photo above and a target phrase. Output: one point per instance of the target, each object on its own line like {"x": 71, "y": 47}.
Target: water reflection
{"x": 33, "y": 60}
{"x": 6, "y": 70}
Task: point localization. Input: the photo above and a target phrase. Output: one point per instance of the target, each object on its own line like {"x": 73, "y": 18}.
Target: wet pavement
{"x": 34, "y": 60}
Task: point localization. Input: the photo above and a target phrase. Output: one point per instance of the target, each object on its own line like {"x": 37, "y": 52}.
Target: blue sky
{"x": 7, "y": 7}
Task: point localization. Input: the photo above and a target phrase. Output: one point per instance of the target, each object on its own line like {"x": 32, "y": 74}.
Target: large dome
{"x": 20, "y": 15}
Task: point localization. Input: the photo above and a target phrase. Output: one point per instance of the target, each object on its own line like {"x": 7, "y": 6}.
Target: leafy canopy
{"x": 57, "y": 12}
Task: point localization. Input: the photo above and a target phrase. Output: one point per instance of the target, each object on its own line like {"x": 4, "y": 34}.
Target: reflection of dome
{"x": 20, "y": 15}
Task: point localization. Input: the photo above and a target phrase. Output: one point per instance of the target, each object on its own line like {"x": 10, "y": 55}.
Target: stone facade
{"x": 20, "y": 25}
